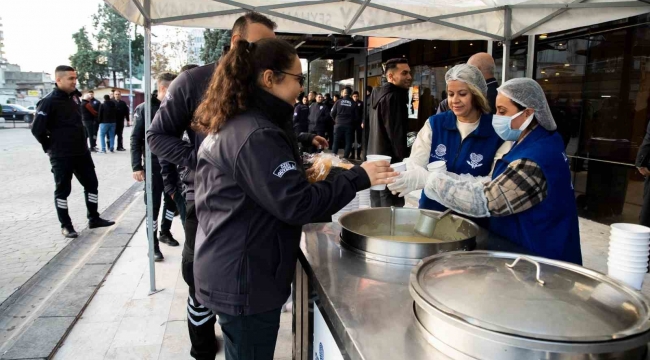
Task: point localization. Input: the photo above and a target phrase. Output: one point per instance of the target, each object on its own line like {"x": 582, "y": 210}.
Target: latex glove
{"x": 409, "y": 180}
{"x": 464, "y": 194}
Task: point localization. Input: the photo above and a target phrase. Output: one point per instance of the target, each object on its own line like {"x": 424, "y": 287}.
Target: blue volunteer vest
{"x": 473, "y": 156}
{"x": 550, "y": 228}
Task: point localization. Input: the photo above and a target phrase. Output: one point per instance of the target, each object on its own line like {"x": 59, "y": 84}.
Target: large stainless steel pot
{"x": 367, "y": 232}
{"x": 495, "y": 305}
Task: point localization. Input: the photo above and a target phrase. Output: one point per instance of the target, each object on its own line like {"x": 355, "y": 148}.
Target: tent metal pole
{"x": 435, "y": 20}
{"x": 366, "y": 98}
{"x": 356, "y": 16}
{"x": 544, "y": 20}
{"x": 530, "y": 60}
{"x": 262, "y": 10}
{"x": 308, "y": 71}
{"x": 147, "y": 124}
{"x": 236, "y": 11}
{"x": 144, "y": 12}
{"x": 490, "y": 46}
{"x": 507, "y": 32}
{"x": 593, "y": 5}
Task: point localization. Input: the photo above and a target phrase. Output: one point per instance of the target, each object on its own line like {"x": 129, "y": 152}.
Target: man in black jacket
{"x": 345, "y": 115}
{"x": 300, "y": 115}
{"x": 389, "y": 122}
{"x": 366, "y": 121}
{"x": 485, "y": 63}
{"x": 642, "y": 163}
{"x": 157, "y": 186}
{"x": 358, "y": 130}
{"x": 96, "y": 104}
{"x": 173, "y": 119}
{"x": 59, "y": 129}
{"x": 319, "y": 116}
{"x": 123, "y": 113}
{"x": 89, "y": 119}
{"x": 107, "y": 117}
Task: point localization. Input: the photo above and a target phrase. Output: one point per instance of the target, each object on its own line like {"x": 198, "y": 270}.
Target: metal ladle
{"x": 427, "y": 222}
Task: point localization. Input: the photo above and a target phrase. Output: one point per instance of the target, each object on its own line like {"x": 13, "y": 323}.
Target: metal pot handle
{"x": 540, "y": 281}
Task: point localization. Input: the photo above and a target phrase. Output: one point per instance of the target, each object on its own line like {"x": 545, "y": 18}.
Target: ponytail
{"x": 227, "y": 95}
{"x": 235, "y": 80}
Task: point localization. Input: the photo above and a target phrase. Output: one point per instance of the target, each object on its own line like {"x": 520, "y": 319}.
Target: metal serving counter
{"x": 365, "y": 303}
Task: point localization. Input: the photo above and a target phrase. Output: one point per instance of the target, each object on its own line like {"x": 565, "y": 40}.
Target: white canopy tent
{"x": 500, "y": 20}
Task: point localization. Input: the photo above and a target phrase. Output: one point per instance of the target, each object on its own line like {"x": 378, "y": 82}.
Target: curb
{"x": 44, "y": 310}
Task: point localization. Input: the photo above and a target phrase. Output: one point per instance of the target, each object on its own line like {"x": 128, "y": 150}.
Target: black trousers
{"x": 159, "y": 196}
{"x": 358, "y": 139}
{"x": 250, "y": 337}
{"x": 200, "y": 320}
{"x": 345, "y": 133}
{"x": 644, "y": 218}
{"x": 385, "y": 198}
{"x": 83, "y": 168}
{"x": 119, "y": 129}
{"x": 91, "y": 135}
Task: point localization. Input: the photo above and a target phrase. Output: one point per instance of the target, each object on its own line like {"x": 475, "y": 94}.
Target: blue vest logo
{"x": 441, "y": 151}
{"x": 475, "y": 160}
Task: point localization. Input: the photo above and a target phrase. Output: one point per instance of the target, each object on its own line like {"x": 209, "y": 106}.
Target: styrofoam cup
{"x": 632, "y": 254}
{"x": 629, "y": 236}
{"x": 437, "y": 166}
{"x": 398, "y": 167}
{"x": 633, "y": 279}
{"x": 631, "y": 229}
{"x": 628, "y": 261}
{"x": 622, "y": 240}
{"x": 627, "y": 266}
{"x": 372, "y": 158}
{"x": 632, "y": 248}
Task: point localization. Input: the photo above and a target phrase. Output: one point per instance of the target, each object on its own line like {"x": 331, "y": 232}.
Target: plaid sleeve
{"x": 521, "y": 186}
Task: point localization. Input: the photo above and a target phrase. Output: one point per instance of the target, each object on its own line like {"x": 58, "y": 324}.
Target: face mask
{"x": 502, "y": 126}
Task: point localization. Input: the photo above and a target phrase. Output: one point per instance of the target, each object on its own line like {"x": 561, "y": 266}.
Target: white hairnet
{"x": 528, "y": 93}
{"x": 468, "y": 74}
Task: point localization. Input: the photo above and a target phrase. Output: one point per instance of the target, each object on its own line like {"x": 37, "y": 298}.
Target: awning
{"x": 409, "y": 19}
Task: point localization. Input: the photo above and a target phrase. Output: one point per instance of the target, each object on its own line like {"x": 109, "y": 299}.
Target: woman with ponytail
{"x": 252, "y": 195}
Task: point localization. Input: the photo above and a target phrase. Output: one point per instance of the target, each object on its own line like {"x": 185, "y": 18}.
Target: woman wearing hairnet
{"x": 463, "y": 137}
{"x": 530, "y": 199}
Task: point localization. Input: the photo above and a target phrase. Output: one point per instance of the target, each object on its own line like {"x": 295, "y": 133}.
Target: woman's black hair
{"x": 235, "y": 80}
{"x": 518, "y": 105}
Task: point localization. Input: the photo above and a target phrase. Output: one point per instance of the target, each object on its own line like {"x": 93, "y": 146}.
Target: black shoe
{"x": 167, "y": 238}
{"x": 69, "y": 232}
{"x": 157, "y": 255}
{"x": 93, "y": 149}
{"x": 121, "y": 149}
{"x": 99, "y": 222}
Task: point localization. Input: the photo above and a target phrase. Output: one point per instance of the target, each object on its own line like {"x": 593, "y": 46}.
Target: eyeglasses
{"x": 300, "y": 78}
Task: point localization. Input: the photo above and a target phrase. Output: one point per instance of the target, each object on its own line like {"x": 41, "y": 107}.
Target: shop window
{"x": 598, "y": 88}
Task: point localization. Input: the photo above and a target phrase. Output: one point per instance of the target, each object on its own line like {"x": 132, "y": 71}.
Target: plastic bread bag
{"x": 322, "y": 166}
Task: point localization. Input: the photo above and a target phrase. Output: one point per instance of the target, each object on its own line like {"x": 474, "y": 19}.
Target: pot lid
{"x": 573, "y": 303}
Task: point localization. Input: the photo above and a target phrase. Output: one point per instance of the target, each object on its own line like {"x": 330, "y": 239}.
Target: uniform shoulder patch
{"x": 284, "y": 168}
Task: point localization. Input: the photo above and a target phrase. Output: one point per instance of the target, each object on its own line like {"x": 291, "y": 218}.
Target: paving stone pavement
{"x": 30, "y": 234}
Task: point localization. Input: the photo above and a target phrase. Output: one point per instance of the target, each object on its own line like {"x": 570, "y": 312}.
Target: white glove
{"x": 409, "y": 180}
{"x": 410, "y": 164}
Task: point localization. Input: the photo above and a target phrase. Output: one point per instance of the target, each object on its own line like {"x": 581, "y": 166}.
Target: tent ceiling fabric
{"x": 410, "y": 19}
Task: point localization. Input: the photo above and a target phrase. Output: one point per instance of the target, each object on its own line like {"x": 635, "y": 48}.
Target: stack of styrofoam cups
{"x": 372, "y": 158}
{"x": 628, "y": 253}
{"x": 437, "y": 166}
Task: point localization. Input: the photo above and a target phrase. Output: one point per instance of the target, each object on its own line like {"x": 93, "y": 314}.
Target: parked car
{"x": 17, "y": 112}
